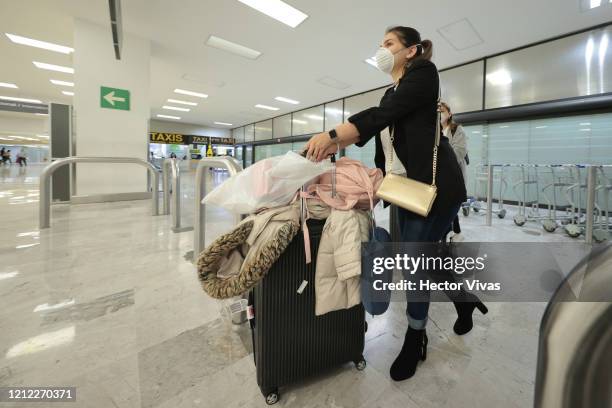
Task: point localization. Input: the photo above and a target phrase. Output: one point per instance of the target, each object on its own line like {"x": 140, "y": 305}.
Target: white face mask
{"x": 385, "y": 60}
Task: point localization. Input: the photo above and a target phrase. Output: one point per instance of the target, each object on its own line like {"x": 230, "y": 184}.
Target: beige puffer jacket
{"x": 339, "y": 260}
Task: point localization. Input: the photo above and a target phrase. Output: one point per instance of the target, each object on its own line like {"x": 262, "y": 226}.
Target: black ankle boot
{"x": 413, "y": 350}
{"x": 465, "y": 309}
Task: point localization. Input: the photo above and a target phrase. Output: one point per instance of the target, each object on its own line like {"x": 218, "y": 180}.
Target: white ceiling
{"x": 334, "y": 41}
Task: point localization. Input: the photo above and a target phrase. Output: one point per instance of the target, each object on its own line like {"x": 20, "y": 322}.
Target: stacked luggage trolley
{"x": 575, "y": 197}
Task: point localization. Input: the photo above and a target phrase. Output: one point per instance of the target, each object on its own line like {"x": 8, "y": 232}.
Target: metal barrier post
{"x": 206, "y": 163}
{"x": 175, "y": 207}
{"x": 166, "y": 186}
{"x": 489, "y": 216}
{"x": 44, "y": 208}
{"x": 590, "y": 202}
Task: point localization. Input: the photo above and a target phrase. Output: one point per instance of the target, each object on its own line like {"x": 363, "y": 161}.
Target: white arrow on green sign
{"x": 114, "y": 98}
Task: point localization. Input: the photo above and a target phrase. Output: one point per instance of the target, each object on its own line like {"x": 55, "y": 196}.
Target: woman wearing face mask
{"x": 409, "y": 107}
{"x": 458, "y": 141}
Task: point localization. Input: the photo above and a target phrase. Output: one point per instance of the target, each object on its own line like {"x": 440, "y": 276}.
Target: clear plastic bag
{"x": 271, "y": 182}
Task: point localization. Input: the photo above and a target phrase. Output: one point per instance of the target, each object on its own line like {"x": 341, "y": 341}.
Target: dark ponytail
{"x": 409, "y": 37}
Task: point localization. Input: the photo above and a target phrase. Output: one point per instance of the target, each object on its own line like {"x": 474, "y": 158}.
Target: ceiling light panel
{"x": 51, "y": 67}
{"x": 61, "y": 83}
{"x": 68, "y": 93}
{"x": 17, "y": 39}
{"x": 176, "y": 108}
{"x": 8, "y": 85}
{"x": 260, "y": 106}
{"x": 287, "y": 100}
{"x": 182, "y": 102}
{"x": 11, "y": 98}
{"x": 190, "y": 93}
{"x": 278, "y": 10}
{"x": 168, "y": 117}
{"x": 223, "y": 123}
{"x": 232, "y": 47}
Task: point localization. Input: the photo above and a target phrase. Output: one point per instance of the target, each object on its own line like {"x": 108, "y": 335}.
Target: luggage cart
{"x": 601, "y": 232}
{"x": 560, "y": 178}
{"x": 480, "y": 185}
{"x": 573, "y": 194}
{"x": 527, "y": 182}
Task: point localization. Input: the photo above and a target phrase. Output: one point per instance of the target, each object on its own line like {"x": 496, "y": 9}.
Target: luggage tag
{"x": 302, "y": 287}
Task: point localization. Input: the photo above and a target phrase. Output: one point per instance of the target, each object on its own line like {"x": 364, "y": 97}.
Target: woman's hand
{"x": 319, "y": 147}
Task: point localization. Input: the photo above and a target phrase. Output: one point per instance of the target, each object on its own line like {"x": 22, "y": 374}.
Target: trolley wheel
{"x": 600, "y": 235}
{"x": 549, "y": 225}
{"x": 520, "y": 220}
{"x": 272, "y": 397}
{"x": 501, "y": 213}
{"x": 360, "y": 364}
{"x": 466, "y": 211}
{"x": 573, "y": 230}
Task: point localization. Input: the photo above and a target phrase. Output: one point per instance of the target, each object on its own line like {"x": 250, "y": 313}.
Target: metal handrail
{"x": 199, "y": 234}
{"x": 44, "y": 210}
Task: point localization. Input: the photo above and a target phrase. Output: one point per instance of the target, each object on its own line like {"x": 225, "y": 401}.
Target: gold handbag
{"x": 407, "y": 193}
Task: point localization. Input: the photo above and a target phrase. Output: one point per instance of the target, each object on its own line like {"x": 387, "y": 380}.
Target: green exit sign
{"x": 114, "y": 98}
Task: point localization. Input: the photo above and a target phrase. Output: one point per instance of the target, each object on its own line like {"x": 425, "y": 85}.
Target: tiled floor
{"x": 105, "y": 301}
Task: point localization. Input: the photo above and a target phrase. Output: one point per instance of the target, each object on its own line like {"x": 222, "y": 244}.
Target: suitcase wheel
{"x": 272, "y": 397}
{"x": 360, "y": 364}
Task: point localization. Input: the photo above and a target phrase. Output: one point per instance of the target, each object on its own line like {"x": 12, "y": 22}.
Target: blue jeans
{"x": 414, "y": 228}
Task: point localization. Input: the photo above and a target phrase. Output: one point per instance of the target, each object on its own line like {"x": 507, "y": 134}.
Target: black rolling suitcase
{"x": 290, "y": 343}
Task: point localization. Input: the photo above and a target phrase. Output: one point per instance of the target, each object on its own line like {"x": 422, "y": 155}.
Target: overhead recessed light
{"x": 234, "y": 48}
{"x": 11, "y": 98}
{"x": 501, "y": 77}
{"x": 168, "y": 117}
{"x": 299, "y": 121}
{"x": 190, "y": 93}
{"x": 372, "y": 62}
{"x": 176, "y": 108}
{"x": 503, "y": 127}
{"x": 283, "y": 99}
{"x": 260, "y": 106}
{"x": 62, "y": 83}
{"x": 595, "y": 3}
{"x": 68, "y": 93}
{"x": 8, "y": 85}
{"x": 182, "y": 102}
{"x": 223, "y": 123}
{"x": 278, "y": 10}
{"x": 39, "y": 44}
{"x": 475, "y": 131}
{"x": 52, "y": 67}
{"x": 585, "y": 130}
{"x": 588, "y": 123}
{"x": 541, "y": 127}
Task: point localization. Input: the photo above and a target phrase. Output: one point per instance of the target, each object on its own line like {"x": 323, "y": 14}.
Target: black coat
{"x": 411, "y": 111}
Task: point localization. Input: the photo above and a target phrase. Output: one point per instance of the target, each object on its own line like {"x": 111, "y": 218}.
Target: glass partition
{"x": 333, "y": 114}
{"x": 282, "y": 126}
{"x": 249, "y": 133}
{"x": 277, "y": 149}
{"x": 462, "y": 87}
{"x": 238, "y": 135}
{"x": 308, "y": 121}
{"x": 363, "y": 101}
{"x": 263, "y": 130}
{"x": 564, "y": 68}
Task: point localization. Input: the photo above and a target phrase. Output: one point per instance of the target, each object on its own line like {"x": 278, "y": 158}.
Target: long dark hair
{"x": 453, "y": 125}
{"x": 409, "y": 37}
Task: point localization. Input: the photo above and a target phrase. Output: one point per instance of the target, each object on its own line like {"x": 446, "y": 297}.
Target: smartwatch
{"x": 333, "y": 136}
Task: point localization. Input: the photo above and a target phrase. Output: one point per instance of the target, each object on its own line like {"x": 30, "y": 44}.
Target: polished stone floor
{"x": 105, "y": 301}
